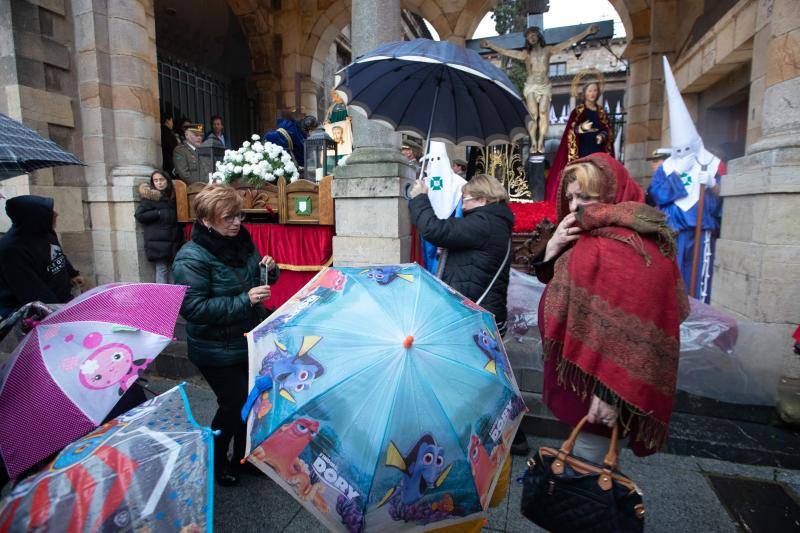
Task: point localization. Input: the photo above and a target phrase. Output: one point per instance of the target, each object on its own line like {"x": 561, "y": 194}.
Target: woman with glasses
{"x": 221, "y": 266}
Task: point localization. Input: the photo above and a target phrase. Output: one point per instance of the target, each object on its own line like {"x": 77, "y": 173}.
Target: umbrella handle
{"x": 430, "y": 126}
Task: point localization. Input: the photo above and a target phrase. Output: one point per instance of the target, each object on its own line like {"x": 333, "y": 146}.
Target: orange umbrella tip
{"x": 408, "y": 342}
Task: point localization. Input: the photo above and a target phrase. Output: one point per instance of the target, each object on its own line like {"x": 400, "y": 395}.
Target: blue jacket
{"x": 665, "y": 190}
{"x": 297, "y": 148}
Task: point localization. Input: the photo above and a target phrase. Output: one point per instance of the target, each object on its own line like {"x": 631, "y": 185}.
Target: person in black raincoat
{"x": 32, "y": 264}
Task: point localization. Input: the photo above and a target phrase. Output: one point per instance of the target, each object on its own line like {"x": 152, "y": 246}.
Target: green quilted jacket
{"x": 216, "y": 307}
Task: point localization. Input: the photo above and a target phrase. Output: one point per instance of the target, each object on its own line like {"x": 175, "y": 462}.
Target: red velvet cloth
{"x": 300, "y": 251}
{"x": 528, "y": 215}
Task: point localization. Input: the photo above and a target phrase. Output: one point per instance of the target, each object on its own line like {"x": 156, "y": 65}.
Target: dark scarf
{"x": 233, "y": 251}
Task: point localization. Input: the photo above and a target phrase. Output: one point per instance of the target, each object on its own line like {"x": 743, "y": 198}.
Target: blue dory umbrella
{"x": 436, "y": 90}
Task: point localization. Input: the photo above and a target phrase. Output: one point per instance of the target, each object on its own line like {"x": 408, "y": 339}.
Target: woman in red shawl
{"x": 588, "y": 131}
{"x": 610, "y": 316}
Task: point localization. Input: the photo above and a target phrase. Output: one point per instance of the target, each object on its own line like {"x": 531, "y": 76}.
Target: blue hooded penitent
{"x": 294, "y": 144}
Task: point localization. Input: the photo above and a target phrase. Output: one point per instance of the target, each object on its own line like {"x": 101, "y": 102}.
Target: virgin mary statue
{"x": 588, "y": 131}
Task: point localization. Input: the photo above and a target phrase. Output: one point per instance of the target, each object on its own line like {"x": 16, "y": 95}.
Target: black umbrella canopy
{"x": 414, "y": 85}
{"x": 23, "y": 150}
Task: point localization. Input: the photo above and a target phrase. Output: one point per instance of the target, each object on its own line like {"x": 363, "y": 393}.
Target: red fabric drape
{"x": 527, "y": 215}
{"x": 300, "y": 251}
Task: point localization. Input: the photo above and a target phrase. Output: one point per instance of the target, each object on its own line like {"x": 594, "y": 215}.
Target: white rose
{"x": 294, "y": 178}
{"x": 255, "y": 137}
{"x": 246, "y": 144}
{"x": 237, "y": 170}
{"x": 279, "y": 172}
{"x": 247, "y": 169}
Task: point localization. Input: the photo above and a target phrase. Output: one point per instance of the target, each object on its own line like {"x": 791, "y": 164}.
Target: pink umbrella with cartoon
{"x": 71, "y": 369}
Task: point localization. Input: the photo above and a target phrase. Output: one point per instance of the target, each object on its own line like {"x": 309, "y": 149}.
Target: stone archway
{"x": 257, "y": 28}
{"x": 321, "y": 36}
{"x": 635, "y": 16}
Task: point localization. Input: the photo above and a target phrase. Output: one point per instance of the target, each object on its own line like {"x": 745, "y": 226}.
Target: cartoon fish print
{"x": 483, "y": 466}
{"x": 283, "y": 448}
{"x": 285, "y": 372}
{"x": 332, "y": 279}
{"x": 488, "y": 344}
{"x": 293, "y": 374}
{"x": 386, "y": 274}
{"x": 297, "y": 310}
{"x": 472, "y": 305}
{"x": 423, "y": 468}
{"x": 110, "y": 365}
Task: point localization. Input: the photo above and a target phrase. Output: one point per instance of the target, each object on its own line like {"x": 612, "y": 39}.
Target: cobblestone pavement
{"x": 678, "y": 496}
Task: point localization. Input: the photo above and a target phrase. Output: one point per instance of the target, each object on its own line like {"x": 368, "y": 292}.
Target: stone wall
{"x": 39, "y": 82}
{"x": 118, "y": 88}
{"x": 758, "y": 266}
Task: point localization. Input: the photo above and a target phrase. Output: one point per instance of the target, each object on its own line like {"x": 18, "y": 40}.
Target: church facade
{"x": 93, "y": 75}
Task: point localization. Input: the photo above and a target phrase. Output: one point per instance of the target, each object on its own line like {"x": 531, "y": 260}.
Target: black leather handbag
{"x": 564, "y": 493}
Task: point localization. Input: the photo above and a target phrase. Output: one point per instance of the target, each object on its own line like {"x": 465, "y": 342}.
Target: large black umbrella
{"x": 436, "y": 90}
{"x": 22, "y": 150}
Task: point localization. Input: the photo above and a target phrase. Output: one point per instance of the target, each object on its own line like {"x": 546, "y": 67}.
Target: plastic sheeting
{"x": 147, "y": 470}
{"x": 721, "y": 358}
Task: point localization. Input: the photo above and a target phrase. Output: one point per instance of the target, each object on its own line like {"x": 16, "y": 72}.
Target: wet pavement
{"x": 677, "y": 493}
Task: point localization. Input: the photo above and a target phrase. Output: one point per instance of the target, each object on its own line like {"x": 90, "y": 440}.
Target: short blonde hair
{"x": 587, "y": 175}
{"x": 486, "y": 187}
{"x": 216, "y": 202}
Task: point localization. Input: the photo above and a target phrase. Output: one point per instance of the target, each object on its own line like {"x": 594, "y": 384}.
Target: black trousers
{"x": 229, "y": 383}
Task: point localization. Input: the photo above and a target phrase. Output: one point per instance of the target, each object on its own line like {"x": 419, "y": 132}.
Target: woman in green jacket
{"x": 221, "y": 266}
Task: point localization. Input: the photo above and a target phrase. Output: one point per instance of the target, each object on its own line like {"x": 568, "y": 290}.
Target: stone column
{"x": 757, "y": 269}
{"x": 118, "y": 88}
{"x": 644, "y": 97}
{"x": 372, "y": 221}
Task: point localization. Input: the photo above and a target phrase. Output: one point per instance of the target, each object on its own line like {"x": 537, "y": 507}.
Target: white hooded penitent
{"x": 444, "y": 185}
{"x": 690, "y": 160}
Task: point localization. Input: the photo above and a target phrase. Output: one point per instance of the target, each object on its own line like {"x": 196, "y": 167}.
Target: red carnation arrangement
{"x": 527, "y": 215}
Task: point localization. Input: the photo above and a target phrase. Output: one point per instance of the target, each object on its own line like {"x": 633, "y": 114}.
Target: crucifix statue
{"x": 538, "y": 89}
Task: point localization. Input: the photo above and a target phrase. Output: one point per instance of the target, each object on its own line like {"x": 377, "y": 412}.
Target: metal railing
{"x": 188, "y": 92}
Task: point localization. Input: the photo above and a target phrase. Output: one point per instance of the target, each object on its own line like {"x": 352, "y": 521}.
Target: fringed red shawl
{"x": 613, "y": 309}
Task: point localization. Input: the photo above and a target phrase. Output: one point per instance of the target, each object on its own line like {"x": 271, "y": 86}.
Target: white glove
{"x": 707, "y": 178}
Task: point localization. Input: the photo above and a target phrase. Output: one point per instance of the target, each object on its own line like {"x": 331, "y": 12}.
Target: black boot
{"x": 519, "y": 446}
{"x": 226, "y": 475}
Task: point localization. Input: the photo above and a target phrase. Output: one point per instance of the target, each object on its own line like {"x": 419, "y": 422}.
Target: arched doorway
{"x": 204, "y": 66}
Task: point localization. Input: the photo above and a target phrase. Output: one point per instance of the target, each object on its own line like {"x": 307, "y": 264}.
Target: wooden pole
{"x": 698, "y": 232}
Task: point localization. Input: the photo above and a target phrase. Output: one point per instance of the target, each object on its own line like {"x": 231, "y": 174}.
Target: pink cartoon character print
{"x": 109, "y": 365}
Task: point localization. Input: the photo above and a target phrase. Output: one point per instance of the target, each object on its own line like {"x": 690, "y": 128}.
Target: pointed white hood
{"x": 689, "y": 158}
{"x": 444, "y": 184}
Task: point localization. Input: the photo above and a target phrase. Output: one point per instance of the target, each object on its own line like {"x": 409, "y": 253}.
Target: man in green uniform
{"x": 189, "y": 167}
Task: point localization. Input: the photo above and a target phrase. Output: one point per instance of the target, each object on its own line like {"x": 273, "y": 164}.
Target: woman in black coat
{"x": 478, "y": 249}
{"x": 158, "y": 214}
{"x": 477, "y": 244}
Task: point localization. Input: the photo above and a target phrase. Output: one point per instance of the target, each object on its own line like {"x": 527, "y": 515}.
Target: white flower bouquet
{"x": 255, "y": 163}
